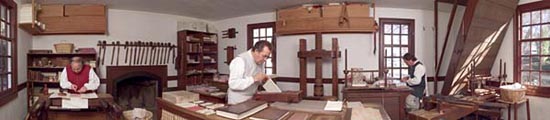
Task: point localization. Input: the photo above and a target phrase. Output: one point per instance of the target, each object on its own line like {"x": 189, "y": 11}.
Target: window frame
{"x": 411, "y": 45}
{"x": 11, "y": 93}
{"x": 542, "y": 91}
{"x": 250, "y": 41}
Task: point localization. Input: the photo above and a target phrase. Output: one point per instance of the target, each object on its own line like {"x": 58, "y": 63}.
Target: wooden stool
{"x": 515, "y": 105}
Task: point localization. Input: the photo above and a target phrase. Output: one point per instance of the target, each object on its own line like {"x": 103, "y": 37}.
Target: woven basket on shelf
{"x": 129, "y": 116}
{"x": 512, "y": 95}
{"x": 64, "y": 48}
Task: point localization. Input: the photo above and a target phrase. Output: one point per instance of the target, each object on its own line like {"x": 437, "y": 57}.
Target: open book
{"x": 270, "y": 86}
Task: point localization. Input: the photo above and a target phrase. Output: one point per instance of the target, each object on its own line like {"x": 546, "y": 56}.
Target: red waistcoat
{"x": 80, "y": 78}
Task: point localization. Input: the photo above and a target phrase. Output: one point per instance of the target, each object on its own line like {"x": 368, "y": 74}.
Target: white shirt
{"x": 419, "y": 71}
{"x": 241, "y": 81}
{"x": 93, "y": 82}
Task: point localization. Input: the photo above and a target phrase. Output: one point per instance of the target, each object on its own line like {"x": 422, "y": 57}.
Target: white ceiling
{"x": 221, "y": 9}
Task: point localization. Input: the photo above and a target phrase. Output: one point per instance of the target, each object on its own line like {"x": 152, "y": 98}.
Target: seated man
{"x": 78, "y": 77}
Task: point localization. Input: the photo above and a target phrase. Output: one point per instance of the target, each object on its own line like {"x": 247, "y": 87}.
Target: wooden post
{"x": 318, "y": 86}
{"x": 303, "y": 68}
{"x": 335, "y": 67}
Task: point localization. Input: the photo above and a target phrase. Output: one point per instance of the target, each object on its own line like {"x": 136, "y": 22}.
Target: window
{"x": 8, "y": 51}
{"x": 397, "y": 38}
{"x": 533, "y": 45}
{"x": 264, "y": 31}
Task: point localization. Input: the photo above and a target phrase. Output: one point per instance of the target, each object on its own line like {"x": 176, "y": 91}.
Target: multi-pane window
{"x": 8, "y": 51}
{"x": 534, "y": 41}
{"x": 264, "y": 31}
{"x": 396, "y": 39}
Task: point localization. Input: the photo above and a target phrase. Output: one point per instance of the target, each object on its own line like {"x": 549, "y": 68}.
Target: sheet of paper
{"x": 74, "y": 103}
{"x": 270, "y": 86}
{"x": 355, "y": 104}
{"x": 88, "y": 95}
{"x": 334, "y": 106}
{"x": 362, "y": 113}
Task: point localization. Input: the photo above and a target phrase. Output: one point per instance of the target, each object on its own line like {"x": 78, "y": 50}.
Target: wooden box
{"x": 51, "y": 10}
{"x": 75, "y": 24}
{"x": 298, "y": 13}
{"x": 84, "y": 10}
{"x": 353, "y": 10}
{"x": 285, "y": 96}
{"x": 180, "y": 96}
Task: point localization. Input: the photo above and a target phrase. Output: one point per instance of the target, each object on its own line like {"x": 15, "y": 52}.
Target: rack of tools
{"x": 137, "y": 53}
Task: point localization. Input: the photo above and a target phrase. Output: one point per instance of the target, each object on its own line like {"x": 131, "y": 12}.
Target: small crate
{"x": 64, "y": 48}
{"x": 512, "y": 95}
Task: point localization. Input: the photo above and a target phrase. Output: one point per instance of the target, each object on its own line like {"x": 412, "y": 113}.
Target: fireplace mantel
{"x": 115, "y": 73}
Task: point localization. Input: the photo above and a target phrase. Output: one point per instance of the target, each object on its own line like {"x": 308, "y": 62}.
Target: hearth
{"x": 136, "y": 86}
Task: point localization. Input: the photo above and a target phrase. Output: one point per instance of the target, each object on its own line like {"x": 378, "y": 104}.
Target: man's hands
{"x": 74, "y": 87}
{"x": 404, "y": 79}
{"x": 260, "y": 77}
{"x": 81, "y": 90}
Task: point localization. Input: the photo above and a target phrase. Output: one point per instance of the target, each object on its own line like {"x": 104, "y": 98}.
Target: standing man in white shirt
{"x": 247, "y": 72}
{"x": 416, "y": 80}
{"x": 78, "y": 77}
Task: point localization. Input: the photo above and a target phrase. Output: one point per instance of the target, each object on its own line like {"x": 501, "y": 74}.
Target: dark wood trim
{"x": 531, "y": 90}
{"x": 22, "y": 86}
{"x": 383, "y": 21}
{"x": 249, "y": 40}
{"x": 459, "y": 2}
{"x": 11, "y": 93}
{"x": 172, "y": 78}
{"x": 329, "y": 80}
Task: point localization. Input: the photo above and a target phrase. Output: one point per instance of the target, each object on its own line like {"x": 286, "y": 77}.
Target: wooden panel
{"x": 75, "y": 25}
{"x": 355, "y": 23}
{"x": 84, "y": 10}
{"x": 312, "y": 25}
{"x": 298, "y": 25}
{"x": 353, "y": 10}
{"x": 298, "y": 13}
{"x": 52, "y": 10}
{"x": 76, "y": 115}
{"x": 392, "y": 108}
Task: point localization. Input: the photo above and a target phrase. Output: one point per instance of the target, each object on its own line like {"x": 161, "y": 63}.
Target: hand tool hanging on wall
{"x": 126, "y": 49}
{"x": 113, "y": 53}
{"x": 130, "y": 45}
{"x": 136, "y": 53}
{"x": 169, "y": 49}
{"x": 103, "y": 55}
{"x": 143, "y": 52}
{"x": 150, "y": 53}
{"x": 164, "y": 49}
{"x": 157, "y": 59}
{"x": 117, "y": 51}
{"x": 174, "y": 54}
{"x": 100, "y": 48}
{"x": 147, "y": 47}
{"x": 138, "y": 46}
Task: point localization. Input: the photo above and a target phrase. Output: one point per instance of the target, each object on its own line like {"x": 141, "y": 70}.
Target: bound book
{"x": 242, "y": 110}
{"x": 270, "y": 114}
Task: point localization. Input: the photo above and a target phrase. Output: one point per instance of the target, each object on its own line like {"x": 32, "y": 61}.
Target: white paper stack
{"x": 74, "y": 103}
{"x": 333, "y": 106}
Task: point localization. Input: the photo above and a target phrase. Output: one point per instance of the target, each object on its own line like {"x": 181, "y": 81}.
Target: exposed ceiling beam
{"x": 460, "y": 2}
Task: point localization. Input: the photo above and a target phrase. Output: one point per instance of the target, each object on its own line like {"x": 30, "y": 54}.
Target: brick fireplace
{"x": 136, "y": 86}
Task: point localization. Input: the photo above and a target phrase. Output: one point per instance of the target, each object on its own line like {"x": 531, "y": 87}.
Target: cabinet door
{"x": 391, "y": 104}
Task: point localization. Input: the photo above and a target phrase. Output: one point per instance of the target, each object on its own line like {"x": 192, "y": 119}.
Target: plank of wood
{"x": 51, "y": 10}
{"x": 84, "y": 10}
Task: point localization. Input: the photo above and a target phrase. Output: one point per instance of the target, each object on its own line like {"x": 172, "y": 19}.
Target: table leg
{"x": 509, "y": 112}
{"x": 528, "y": 110}
{"x": 515, "y": 111}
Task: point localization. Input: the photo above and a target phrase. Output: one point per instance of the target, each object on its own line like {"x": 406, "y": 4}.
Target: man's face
{"x": 261, "y": 57}
{"x": 76, "y": 66}
{"x": 409, "y": 62}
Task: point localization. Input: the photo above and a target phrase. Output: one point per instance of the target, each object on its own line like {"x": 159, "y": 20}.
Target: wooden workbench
{"x": 103, "y": 108}
{"x": 392, "y": 99}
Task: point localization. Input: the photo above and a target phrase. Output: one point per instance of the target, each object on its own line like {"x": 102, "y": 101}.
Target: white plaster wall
{"x": 360, "y": 46}
{"x": 17, "y": 108}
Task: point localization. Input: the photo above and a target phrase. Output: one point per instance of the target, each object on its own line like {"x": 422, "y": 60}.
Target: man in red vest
{"x": 78, "y": 77}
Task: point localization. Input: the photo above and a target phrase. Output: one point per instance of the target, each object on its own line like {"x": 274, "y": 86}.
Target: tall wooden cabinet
{"x": 197, "y": 57}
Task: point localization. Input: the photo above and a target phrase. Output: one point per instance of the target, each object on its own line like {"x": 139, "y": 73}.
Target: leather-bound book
{"x": 242, "y": 110}
{"x": 270, "y": 114}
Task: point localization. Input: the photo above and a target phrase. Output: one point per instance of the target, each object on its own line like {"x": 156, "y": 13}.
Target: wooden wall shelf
{"x": 193, "y": 48}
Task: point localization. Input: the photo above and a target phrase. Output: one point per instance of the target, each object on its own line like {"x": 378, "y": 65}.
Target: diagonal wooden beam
{"x": 460, "y": 2}
{"x": 449, "y": 26}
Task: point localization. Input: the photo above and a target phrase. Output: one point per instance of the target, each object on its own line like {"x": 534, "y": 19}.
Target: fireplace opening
{"x": 137, "y": 92}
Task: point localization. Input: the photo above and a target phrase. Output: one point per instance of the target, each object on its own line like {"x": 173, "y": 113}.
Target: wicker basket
{"x": 512, "y": 95}
{"x": 64, "y": 48}
{"x": 128, "y": 115}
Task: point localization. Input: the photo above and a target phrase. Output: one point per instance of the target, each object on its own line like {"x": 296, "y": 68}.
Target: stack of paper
{"x": 334, "y": 106}
{"x": 74, "y": 103}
